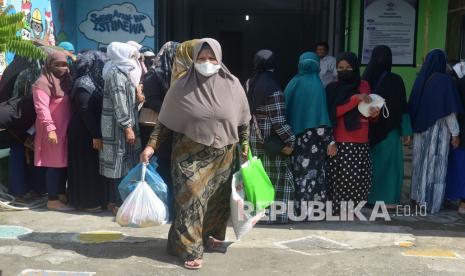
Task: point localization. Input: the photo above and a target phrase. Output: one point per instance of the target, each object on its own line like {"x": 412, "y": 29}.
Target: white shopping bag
{"x": 242, "y": 219}
{"x": 142, "y": 208}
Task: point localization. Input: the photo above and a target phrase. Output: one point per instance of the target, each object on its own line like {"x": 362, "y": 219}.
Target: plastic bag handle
{"x": 385, "y": 111}
{"x": 143, "y": 171}
{"x": 249, "y": 155}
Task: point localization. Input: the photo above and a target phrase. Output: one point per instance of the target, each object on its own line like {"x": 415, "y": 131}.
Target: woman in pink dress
{"x": 53, "y": 108}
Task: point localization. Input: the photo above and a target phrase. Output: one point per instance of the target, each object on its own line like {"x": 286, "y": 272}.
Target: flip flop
{"x": 62, "y": 209}
{"x": 216, "y": 246}
{"x": 92, "y": 210}
{"x": 196, "y": 265}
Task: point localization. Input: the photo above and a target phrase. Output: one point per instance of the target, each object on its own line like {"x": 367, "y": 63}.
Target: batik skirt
{"x": 201, "y": 178}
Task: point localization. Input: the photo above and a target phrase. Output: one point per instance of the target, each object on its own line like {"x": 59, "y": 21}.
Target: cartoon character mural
{"x": 38, "y": 21}
{"x": 3, "y": 63}
{"x": 49, "y": 28}
{"x": 26, "y": 7}
{"x": 36, "y": 24}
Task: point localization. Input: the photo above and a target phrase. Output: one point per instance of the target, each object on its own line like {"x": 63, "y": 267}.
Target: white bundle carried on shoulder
{"x": 142, "y": 208}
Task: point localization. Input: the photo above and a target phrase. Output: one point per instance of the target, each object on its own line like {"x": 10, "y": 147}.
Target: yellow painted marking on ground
{"x": 431, "y": 252}
{"x": 100, "y": 236}
{"x": 407, "y": 244}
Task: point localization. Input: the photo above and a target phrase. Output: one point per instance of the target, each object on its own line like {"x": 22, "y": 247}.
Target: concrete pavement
{"x": 433, "y": 245}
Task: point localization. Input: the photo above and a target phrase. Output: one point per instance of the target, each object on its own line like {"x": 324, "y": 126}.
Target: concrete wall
{"x": 431, "y": 33}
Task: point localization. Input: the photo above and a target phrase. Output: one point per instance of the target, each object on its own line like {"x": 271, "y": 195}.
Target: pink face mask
{"x": 60, "y": 71}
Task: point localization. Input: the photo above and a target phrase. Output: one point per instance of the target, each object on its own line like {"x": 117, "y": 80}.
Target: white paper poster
{"x": 391, "y": 23}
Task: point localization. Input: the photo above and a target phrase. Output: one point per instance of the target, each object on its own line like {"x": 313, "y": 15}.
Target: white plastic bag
{"x": 142, "y": 208}
{"x": 243, "y": 221}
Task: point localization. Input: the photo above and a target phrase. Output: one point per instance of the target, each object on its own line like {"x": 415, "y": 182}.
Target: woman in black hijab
{"x": 386, "y": 147}
{"x": 268, "y": 108}
{"x": 156, "y": 84}
{"x": 85, "y": 188}
{"x": 350, "y": 171}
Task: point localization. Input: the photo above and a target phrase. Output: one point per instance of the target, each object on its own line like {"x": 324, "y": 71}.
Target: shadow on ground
{"x": 144, "y": 247}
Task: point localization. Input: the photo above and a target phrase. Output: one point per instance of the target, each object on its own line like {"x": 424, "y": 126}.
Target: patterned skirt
{"x": 278, "y": 169}
{"x": 349, "y": 174}
{"x": 309, "y": 166}
{"x": 202, "y": 178}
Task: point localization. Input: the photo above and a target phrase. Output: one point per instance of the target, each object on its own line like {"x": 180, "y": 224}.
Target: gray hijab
{"x": 207, "y": 110}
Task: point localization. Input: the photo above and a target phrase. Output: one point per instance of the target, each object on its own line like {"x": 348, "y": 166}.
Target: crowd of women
{"x": 315, "y": 144}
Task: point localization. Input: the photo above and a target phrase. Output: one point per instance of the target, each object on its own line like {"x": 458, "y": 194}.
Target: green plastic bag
{"x": 257, "y": 185}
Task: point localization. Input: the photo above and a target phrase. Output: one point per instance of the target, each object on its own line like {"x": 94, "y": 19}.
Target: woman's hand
{"x": 374, "y": 112}
{"x": 245, "y": 151}
{"x": 130, "y": 136}
{"x": 287, "y": 151}
{"x": 332, "y": 150}
{"x": 455, "y": 142}
{"x": 146, "y": 154}
{"x": 97, "y": 144}
{"x": 364, "y": 98}
{"x": 407, "y": 140}
{"x": 29, "y": 143}
{"x": 139, "y": 93}
{"x": 52, "y": 137}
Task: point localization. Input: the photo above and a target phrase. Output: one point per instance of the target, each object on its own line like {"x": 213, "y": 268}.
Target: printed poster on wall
{"x": 391, "y": 23}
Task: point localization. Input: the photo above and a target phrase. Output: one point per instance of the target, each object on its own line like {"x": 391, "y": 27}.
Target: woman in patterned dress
{"x": 119, "y": 122}
{"x": 207, "y": 112}
{"x": 266, "y": 101}
{"x": 433, "y": 106}
{"x": 350, "y": 171}
{"x": 308, "y": 115}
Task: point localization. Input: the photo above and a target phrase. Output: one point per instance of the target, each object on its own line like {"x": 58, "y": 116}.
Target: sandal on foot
{"x": 194, "y": 264}
{"x": 214, "y": 245}
{"x": 92, "y": 210}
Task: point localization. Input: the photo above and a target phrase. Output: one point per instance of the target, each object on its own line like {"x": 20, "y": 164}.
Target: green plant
{"x": 10, "y": 26}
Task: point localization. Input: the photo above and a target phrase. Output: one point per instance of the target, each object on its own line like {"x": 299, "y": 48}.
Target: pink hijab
{"x": 207, "y": 110}
{"x": 54, "y": 80}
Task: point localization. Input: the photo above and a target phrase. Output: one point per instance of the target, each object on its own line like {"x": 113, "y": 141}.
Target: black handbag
{"x": 6, "y": 140}
{"x": 273, "y": 145}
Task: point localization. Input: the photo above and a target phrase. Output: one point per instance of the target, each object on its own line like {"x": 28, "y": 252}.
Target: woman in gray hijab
{"x": 208, "y": 113}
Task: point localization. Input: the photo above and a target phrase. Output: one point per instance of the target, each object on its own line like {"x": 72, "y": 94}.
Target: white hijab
{"x": 459, "y": 68}
{"x": 124, "y": 57}
{"x": 142, "y": 66}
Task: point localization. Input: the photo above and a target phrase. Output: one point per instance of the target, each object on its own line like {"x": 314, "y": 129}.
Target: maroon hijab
{"x": 54, "y": 80}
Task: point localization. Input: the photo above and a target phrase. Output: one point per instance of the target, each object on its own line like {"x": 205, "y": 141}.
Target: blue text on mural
{"x": 118, "y": 21}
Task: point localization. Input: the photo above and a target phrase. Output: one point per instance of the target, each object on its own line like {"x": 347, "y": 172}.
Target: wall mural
{"x": 116, "y": 23}
{"x": 38, "y": 24}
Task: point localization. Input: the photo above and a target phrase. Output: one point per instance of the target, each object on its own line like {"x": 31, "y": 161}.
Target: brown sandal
{"x": 214, "y": 245}
{"x": 113, "y": 208}
{"x": 92, "y": 210}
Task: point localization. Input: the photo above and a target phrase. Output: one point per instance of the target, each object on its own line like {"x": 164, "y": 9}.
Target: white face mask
{"x": 207, "y": 69}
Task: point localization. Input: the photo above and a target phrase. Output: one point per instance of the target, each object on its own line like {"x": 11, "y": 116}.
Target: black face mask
{"x": 346, "y": 75}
